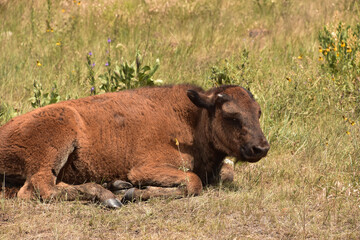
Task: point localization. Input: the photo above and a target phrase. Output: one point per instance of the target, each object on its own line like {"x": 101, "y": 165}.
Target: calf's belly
{"x": 85, "y": 166}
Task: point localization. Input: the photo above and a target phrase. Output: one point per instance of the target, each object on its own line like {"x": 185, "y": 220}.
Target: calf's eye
{"x": 234, "y": 121}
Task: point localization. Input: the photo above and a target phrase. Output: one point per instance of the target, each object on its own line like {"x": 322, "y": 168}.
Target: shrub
{"x": 340, "y": 57}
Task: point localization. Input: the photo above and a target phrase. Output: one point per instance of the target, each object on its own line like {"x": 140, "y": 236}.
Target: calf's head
{"x": 233, "y": 124}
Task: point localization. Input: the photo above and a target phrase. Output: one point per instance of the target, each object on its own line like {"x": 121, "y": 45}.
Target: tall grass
{"x": 308, "y": 186}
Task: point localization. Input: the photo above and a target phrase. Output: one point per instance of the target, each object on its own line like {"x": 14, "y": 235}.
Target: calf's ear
{"x": 199, "y": 99}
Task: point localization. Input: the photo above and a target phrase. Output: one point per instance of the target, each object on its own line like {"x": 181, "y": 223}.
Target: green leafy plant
{"x": 42, "y": 98}
{"x": 128, "y": 76}
{"x": 233, "y": 71}
{"x": 125, "y": 75}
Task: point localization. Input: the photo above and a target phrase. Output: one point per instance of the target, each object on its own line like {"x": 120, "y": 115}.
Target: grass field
{"x": 307, "y": 82}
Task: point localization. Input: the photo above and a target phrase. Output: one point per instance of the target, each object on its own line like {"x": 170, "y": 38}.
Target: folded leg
{"x": 44, "y": 184}
{"x": 136, "y": 194}
{"x": 169, "y": 181}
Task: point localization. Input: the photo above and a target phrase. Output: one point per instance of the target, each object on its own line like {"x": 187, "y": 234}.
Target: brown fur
{"x": 131, "y": 136}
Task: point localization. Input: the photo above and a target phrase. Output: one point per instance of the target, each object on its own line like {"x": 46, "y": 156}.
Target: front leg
{"x": 174, "y": 181}
{"x": 227, "y": 171}
{"x": 136, "y": 194}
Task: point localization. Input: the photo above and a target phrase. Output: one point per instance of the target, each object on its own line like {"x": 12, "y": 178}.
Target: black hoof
{"x": 112, "y": 203}
{"x": 129, "y": 196}
{"x": 119, "y": 185}
{"x": 119, "y": 192}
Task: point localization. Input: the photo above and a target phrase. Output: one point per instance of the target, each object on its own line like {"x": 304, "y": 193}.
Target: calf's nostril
{"x": 257, "y": 150}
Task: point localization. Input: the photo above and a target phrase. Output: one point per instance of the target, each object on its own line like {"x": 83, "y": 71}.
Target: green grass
{"x": 307, "y": 187}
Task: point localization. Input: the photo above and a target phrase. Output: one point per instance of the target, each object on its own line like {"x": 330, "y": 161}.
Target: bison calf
{"x": 163, "y": 140}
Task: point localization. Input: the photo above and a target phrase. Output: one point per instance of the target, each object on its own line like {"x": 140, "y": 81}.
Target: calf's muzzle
{"x": 253, "y": 153}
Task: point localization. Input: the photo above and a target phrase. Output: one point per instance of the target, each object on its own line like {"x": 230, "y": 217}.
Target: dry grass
{"x": 278, "y": 198}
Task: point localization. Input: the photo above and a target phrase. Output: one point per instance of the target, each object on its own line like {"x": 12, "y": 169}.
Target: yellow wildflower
{"x": 176, "y": 142}
{"x": 38, "y": 63}
{"x": 79, "y": 2}
{"x": 335, "y": 49}
{"x": 342, "y": 43}
{"x": 325, "y": 53}
{"x": 58, "y": 43}
{"x": 347, "y": 132}
{"x": 320, "y": 49}
{"x": 352, "y": 123}
{"x": 348, "y": 50}
{"x": 289, "y": 79}
{"x": 62, "y": 10}
{"x": 345, "y": 118}
{"x": 321, "y": 58}
{"x": 300, "y": 57}
{"x": 337, "y": 54}
{"x": 328, "y": 49}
